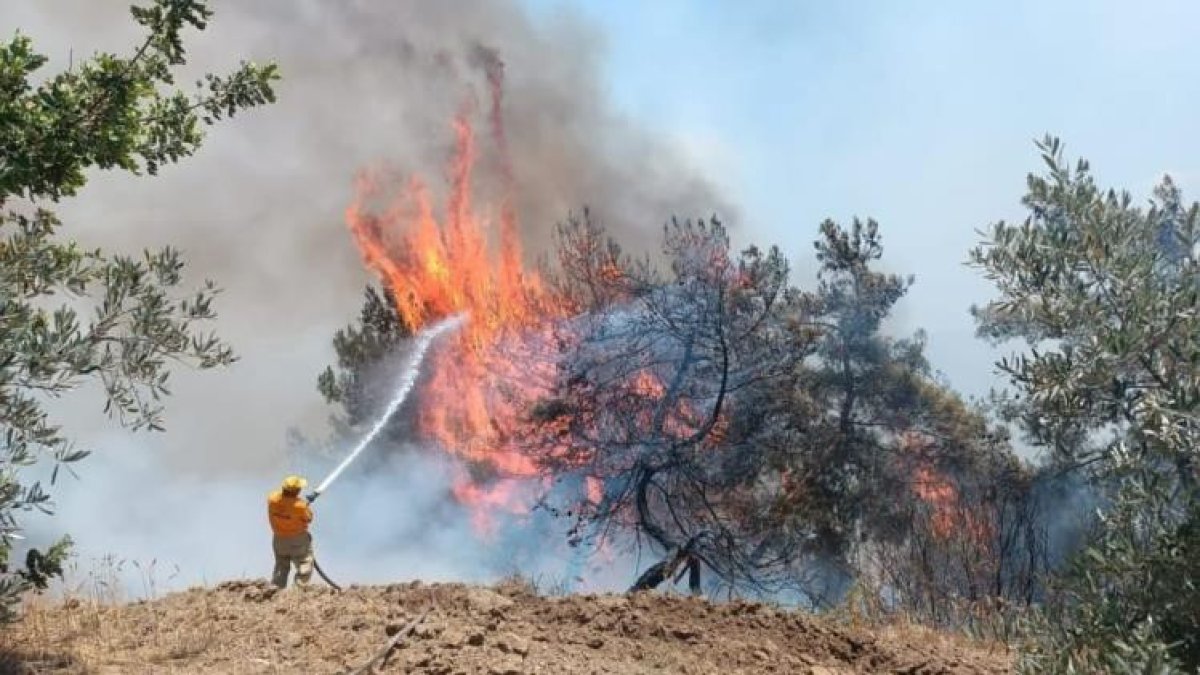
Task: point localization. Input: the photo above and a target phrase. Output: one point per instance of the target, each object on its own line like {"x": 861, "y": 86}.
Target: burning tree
{"x": 976, "y": 546}
{"x": 527, "y": 327}
{"x": 653, "y": 406}
{"x": 838, "y": 444}
{"x": 794, "y": 446}
{"x": 696, "y": 397}
{"x": 885, "y": 474}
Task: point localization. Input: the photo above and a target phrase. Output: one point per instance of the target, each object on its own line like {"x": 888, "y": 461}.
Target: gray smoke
{"x": 259, "y": 210}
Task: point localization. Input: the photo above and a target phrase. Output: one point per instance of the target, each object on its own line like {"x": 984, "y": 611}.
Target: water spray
{"x": 408, "y": 380}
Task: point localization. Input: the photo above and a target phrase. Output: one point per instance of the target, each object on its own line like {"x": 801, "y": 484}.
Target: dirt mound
{"x": 248, "y": 627}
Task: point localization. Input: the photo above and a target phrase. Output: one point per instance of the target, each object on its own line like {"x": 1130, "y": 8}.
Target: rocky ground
{"x": 248, "y": 627}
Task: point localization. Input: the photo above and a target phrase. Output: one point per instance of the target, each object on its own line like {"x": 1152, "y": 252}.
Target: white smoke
{"x": 259, "y": 210}
{"x": 394, "y": 524}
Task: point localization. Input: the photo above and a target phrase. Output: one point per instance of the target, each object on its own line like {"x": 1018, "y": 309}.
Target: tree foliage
{"x": 112, "y": 111}
{"x": 705, "y": 399}
{"x": 858, "y": 386}
{"x": 361, "y": 349}
{"x": 655, "y": 395}
{"x": 718, "y": 400}
{"x": 878, "y": 459}
{"x": 107, "y": 112}
{"x": 1105, "y": 293}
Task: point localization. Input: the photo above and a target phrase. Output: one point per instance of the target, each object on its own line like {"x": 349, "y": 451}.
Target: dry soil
{"x": 248, "y": 627}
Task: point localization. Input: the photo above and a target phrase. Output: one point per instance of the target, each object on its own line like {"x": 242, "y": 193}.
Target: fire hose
{"x": 407, "y": 382}
{"x": 321, "y": 573}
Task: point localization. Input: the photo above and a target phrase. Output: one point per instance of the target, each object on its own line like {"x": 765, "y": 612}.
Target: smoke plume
{"x": 259, "y": 210}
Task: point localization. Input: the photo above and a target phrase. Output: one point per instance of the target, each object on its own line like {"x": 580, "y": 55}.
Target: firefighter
{"x": 290, "y": 517}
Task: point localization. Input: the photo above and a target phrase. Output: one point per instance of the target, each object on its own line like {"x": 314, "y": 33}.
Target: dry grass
{"x": 91, "y": 615}
{"x": 978, "y": 626}
{"x": 80, "y": 635}
{"x": 543, "y": 585}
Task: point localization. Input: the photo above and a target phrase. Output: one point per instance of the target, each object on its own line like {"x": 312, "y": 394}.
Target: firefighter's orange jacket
{"x": 289, "y": 516}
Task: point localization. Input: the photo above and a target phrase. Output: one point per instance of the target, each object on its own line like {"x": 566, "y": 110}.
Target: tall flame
{"x": 459, "y": 262}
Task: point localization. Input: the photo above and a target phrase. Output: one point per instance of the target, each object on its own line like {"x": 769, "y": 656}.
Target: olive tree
{"x": 1106, "y": 296}
{"x": 106, "y": 112}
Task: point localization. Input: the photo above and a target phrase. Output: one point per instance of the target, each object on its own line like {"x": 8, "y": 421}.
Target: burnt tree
{"x": 652, "y": 402}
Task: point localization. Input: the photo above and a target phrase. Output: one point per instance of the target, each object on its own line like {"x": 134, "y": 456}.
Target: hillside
{"x": 247, "y": 627}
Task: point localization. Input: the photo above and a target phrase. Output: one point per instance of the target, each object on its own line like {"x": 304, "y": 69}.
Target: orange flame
{"x": 461, "y": 261}
{"x": 941, "y": 496}
{"x": 595, "y": 490}
{"x": 949, "y": 516}
{"x": 458, "y": 263}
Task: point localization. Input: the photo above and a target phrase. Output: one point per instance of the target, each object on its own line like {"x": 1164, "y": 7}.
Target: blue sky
{"x": 920, "y": 114}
